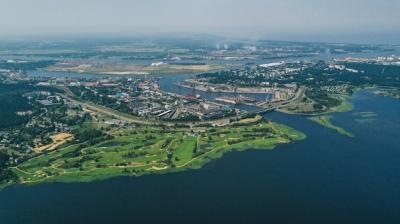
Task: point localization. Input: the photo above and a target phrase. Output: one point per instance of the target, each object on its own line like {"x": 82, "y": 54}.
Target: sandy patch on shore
{"x": 58, "y": 139}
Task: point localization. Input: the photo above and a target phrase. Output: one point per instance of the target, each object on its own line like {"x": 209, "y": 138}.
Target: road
{"x": 112, "y": 113}
{"x": 299, "y": 94}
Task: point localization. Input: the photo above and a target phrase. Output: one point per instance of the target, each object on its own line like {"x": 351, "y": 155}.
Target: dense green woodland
{"x": 12, "y": 101}
{"x": 5, "y": 174}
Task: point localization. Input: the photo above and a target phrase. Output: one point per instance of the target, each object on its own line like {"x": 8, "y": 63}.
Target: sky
{"x": 315, "y": 20}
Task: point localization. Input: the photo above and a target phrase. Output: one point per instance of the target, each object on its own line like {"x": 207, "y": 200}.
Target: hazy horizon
{"x": 309, "y": 20}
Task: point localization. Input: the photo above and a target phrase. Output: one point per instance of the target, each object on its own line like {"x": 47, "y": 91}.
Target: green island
{"x": 146, "y": 149}
{"x": 326, "y": 121}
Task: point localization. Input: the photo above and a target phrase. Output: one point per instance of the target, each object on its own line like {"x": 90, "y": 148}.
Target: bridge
{"x": 264, "y": 110}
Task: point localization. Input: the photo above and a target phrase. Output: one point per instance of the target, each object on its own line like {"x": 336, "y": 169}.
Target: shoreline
{"x": 87, "y": 173}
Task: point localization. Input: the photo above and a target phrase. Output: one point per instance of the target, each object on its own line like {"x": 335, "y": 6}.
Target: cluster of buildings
{"x": 142, "y": 97}
{"x": 279, "y": 69}
{"x": 44, "y": 98}
{"x": 387, "y": 60}
{"x": 156, "y": 103}
{"x": 207, "y": 110}
{"x": 390, "y": 60}
{"x": 339, "y": 67}
{"x": 336, "y": 89}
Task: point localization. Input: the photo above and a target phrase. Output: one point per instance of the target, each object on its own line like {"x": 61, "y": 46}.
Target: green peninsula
{"x": 145, "y": 149}
{"x": 326, "y": 122}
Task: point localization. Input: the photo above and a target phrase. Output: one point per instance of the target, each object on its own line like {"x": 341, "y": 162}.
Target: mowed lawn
{"x": 149, "y": 149}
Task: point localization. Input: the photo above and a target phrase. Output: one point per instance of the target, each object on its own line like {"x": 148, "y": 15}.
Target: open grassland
{"x": 150, "y": 149}
{"x": 326, "y": 122}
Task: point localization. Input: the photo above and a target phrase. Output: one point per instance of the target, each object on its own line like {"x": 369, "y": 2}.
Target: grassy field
{"x": 150, "y": 149}
{"x": 326, "y": 122}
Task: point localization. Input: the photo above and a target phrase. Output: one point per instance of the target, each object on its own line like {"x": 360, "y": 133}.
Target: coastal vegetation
{"x": 326, "y": 121}
{"x": 345, "y": 104}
